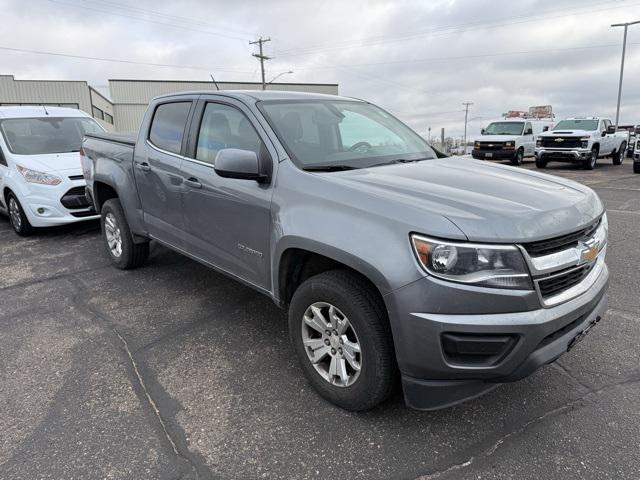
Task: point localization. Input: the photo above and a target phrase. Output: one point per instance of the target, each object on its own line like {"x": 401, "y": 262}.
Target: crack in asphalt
{"x": 564, "y": 370}
{"x": 497, "y": 444}
{"x": 172, "y": 432}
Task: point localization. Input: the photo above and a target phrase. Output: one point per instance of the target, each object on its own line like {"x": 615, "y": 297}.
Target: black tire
{"x": 518, "y": 158}
{"x": 540, "y": 163}
{"x": 590, "y": 163}
{"x": 366, "y": 313}
{"x": 636, "y": 167}
{"x": 618, "y": 156}
{"x": 17, "y": 218}
{"x": 132, "y": 255}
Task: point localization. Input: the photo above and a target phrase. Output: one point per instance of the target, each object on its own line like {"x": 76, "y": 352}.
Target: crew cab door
{"x": 607, "y": 143}
{"x": 227, "y": 221}
{"x": 3, "y": 173}
{"x": 157, "y": 163}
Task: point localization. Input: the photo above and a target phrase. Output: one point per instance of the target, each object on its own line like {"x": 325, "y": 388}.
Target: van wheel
{"x": 124, "y": 253}
{"x": 540, "y": 163}
{"x": 342, "y": 338}
{"x": 17, "y": 218}
{"x": 590, "y": 163}
{"x": 518, "y": 158}
{"x": 618, "y": 156}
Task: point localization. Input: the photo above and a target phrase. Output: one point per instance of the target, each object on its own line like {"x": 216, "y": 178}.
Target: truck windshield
{"x": 504, "y": 128}
{"x": 576, "y": 125}
{"x": 37, "y": 136}
{"x": 345, "y": 134}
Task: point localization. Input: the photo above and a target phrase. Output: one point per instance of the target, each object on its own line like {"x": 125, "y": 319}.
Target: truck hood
{"x": 568, "y": 133}
{"x": 67, "y": 163}
{"x": 487, "y": 202}
{"x": 496, "y": 138}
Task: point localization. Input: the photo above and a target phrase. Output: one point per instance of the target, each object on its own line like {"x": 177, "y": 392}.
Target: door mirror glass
{"x": 482, "y": 132}
{"x": 241, "y": 164}
{"x": 604, "y": 133}
{"x": 545, "y": 128}
{"x": 611, "y": 129}
{"x": 528, "y": 131}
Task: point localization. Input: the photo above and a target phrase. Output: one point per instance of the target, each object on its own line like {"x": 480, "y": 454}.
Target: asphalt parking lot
{"x": 173, "y": 371}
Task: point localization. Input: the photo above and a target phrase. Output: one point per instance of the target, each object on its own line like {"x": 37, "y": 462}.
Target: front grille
{"x": 567, "y": 142}
{"x": 75, "y": 199}
{"x": 552, "y": 286}
{"x": 491, "y": 145}
{"x": 557, "y": 244}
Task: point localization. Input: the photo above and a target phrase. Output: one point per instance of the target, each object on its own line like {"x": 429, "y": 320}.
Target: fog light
{"x": 40, "y": 210}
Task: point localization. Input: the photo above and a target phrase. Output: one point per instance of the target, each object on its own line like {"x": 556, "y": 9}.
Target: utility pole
{"x": 466, "y": 115}
{"x": 624, "y": 48}
{"x": 261, "y": 57}
{"x": 429, "y": 141}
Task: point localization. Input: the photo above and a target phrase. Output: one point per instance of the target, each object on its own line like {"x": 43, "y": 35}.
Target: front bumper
{"x": 433, "y": 379}
{"x": 563, "y": 155}
{"x": 493, "y": 154}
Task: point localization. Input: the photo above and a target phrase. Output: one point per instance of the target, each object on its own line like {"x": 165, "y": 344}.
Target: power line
{"x": 119, "y": 60}
{"x": 449, "y": 30}
{"x": 148, "y": 20}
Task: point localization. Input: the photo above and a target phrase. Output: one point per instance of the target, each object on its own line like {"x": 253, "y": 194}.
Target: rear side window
{"x": 168, "y": 125}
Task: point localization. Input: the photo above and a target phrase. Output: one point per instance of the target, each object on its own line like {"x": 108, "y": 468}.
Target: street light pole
{"x": 624, "y": 48}
{"x": 277, "y": 77}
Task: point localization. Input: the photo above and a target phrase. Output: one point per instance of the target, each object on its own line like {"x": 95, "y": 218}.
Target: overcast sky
{"x": 418, "y": 59}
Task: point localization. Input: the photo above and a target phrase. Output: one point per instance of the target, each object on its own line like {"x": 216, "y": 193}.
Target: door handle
{"x": 144, "y": 166}
{"x": 193, "y": 182}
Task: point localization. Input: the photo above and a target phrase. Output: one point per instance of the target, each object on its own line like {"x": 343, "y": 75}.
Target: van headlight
{"x": 509, "y": 145}
{"x": 495, "y": 266}
{"x": 41, "y": 178}
{"x": 538, "y": 142}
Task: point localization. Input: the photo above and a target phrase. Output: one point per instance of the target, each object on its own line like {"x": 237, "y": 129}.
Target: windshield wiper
{"x": 328, "y": 168}
{"x": 400, "y": 160}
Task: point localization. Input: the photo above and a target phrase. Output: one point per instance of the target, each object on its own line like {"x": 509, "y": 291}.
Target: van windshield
{"x": 37, "y": 136}
{"x": 342, "y": 134}
{"x": 504, "y": 128}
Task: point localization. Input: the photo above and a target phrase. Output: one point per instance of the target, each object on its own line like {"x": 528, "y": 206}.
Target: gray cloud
{"x": 404, "y": 55}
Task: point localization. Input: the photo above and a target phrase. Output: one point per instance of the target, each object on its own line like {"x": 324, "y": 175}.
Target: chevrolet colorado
{"x": 449, "y": 275}
{"x": 581, "y": 140}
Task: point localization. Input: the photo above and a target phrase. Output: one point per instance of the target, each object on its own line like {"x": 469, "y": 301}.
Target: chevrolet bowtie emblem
{"x": 559, "y": 140}
{"x": 490, "y": 145}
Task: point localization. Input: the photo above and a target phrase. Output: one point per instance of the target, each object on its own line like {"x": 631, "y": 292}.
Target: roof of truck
{"x": 264, "y": 95}
{"x": 36, "y": 111}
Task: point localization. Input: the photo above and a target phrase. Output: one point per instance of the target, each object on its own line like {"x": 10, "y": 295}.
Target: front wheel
{"x": 17, "y": 218}
{"x": 540, "y": 163}
{"x": 342, "y": 337}
{"x": 124, "y": 252}
{"x": 590, "y": 163}
{"x": 518, "y": 158}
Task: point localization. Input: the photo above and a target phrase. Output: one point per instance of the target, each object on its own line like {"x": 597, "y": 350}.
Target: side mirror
{"x": 604, "y": 133}
{"x": 611, "y": 129}
{"x": 482, "y": 132}
{"x": 528, "y": 131}
{"x": 545, "y": 128}
{"x": 241, "y": 164}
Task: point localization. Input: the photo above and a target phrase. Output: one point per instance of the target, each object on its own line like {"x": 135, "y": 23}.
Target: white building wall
{"x": 45, "y": 91}
{"x": 105, "y": 106}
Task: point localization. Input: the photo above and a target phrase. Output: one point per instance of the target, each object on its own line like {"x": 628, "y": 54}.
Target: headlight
{"x": 496, "y": 266}
{"x": 584, "y": 142}
{"x": 538, "y": 142}
{"x": 33, "y": 176}
{"x": 476, "y": 145}
{"x": 602, "y": 232}
{"x": 509, "y": 144}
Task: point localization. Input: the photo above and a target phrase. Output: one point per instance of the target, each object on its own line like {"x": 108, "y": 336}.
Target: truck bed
{"x": 124, "y": 138}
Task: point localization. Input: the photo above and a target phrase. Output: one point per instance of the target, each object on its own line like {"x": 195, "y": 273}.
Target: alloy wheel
{"x": 14, "y": 214}
{"x": 113, "y": 235}
{"x": 331, "y": 344}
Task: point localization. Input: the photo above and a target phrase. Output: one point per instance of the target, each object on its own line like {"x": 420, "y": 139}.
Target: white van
{"x": 41, "y": 180}
{"x": 511, "y": 139}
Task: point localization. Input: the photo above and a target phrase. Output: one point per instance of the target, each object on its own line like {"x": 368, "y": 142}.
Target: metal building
{"x": 128, "y": 100}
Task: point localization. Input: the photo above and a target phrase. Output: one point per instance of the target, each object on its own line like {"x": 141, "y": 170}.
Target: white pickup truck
{"x": 580, "y": 140}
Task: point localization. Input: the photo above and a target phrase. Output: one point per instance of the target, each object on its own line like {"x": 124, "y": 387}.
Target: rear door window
{"x": 168, "y": 126}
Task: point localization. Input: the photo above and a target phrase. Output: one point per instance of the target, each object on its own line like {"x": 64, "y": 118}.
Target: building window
{"x": 108, "y": 118}
{"x": 97, "y": 113}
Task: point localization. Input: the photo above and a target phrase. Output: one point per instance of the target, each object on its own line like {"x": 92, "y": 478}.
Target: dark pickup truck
{"x": 447, "y": 275}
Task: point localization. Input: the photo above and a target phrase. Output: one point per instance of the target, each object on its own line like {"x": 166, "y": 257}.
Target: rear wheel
{"x": 518, "y": 157}
{"x": 342, "y": 338}
{"x": 590, "y": 163}
{"x": 124, "y": 252}
{"x": 618, "y": 156}
{"x": 17, "y": 218}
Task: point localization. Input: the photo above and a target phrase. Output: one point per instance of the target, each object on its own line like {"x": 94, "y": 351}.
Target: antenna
{"x": 42, "y": 104}
{"x": 214, "y": 81}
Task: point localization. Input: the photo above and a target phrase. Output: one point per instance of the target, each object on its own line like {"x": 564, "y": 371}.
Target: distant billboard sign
{"x": 541, "y": 111}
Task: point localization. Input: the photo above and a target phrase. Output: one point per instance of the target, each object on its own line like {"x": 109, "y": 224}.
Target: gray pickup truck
{"x": 447, "y": 275}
